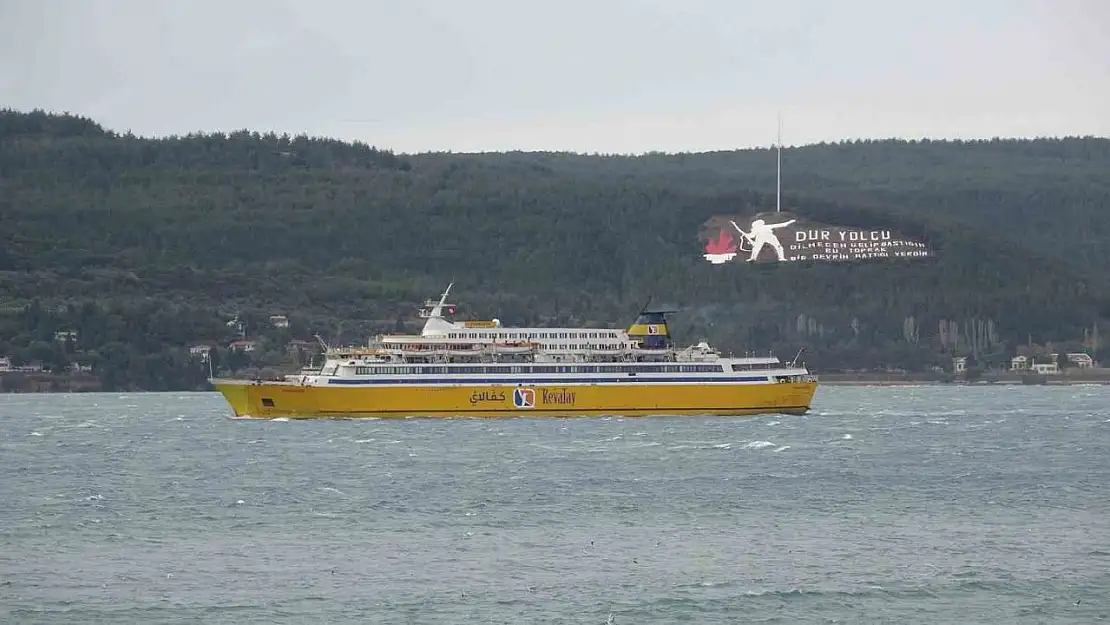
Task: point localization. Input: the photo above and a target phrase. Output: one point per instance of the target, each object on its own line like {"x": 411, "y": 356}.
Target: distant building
{"x": 1046, "y": 368}
{"x": 242, "y": 346}
{"x": 1081, "y": 360}
{"x": 6, "y": 366}
{"x": 65, "y": 335}
{"x": 959, "y": 365}
{"x": 300, "y": 345}
{"x": 201, "y": 350}
{"x": 1019, "y": 363}
{"x": 279, "y": 321}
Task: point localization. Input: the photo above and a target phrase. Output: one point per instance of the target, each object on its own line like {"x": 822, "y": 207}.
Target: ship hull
{"x": 270, "y": 400}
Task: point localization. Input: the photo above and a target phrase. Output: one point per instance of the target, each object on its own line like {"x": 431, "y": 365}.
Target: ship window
{"x": 266, "y": 401}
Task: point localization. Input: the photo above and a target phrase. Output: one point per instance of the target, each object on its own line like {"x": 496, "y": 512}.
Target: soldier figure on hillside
{"x": 763, "y": 234}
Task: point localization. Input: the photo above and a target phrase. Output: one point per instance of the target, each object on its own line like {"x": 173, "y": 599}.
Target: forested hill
{"x": 143, "y": 247}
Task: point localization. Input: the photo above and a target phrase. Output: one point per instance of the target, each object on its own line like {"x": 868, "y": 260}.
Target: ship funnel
{"x": 650, "y": 329}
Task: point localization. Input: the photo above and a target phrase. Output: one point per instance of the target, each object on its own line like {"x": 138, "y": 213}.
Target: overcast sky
{"x": 584, "y": 76}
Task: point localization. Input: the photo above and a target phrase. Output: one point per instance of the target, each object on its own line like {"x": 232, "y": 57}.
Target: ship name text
{"x": 561, "y": 396}
{"x": 483, "y": 396}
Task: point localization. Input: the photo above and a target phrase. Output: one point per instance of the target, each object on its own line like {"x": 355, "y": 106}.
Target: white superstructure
{"x": 464, "y": 352}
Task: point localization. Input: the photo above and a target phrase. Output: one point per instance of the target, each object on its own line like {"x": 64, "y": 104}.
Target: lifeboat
{"x": 513, "y": 347}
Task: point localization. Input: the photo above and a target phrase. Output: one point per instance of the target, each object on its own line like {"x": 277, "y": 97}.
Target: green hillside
{"x": 143, "y": 247}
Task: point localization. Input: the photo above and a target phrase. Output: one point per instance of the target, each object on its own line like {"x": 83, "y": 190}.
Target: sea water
{"x": 895, "y": 505}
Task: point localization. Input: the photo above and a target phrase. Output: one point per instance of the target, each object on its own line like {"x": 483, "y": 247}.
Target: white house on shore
{"x": 1080, "y": 360}
{"x": 1046, "y": 368}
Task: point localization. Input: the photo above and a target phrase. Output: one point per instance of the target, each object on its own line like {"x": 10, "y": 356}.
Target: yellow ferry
{"x": 483, "y": 369}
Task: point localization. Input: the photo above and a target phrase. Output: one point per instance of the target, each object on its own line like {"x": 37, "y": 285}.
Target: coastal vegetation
{"x": 118, "y": 254}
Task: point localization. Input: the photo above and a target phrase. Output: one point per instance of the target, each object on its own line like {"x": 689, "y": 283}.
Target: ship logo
{"x": 524, "y": 397}
{"x": 653, "y": 329}
{"x": 721, "y": 250}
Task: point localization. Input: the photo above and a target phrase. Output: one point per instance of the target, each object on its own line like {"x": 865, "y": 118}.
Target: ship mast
{"x": 436, "y": 307}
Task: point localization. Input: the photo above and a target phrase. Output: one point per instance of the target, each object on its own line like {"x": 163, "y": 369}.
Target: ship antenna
{"x": 778, "y": 172}
{"x": 437, "y": 309}
{"x": 796, "y": 357}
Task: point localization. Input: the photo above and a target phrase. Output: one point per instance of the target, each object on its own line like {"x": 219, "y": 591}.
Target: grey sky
{"x": 578, "y": 75}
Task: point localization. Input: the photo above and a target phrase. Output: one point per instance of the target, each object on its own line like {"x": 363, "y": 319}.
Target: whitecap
{"x": 759, "y": 445}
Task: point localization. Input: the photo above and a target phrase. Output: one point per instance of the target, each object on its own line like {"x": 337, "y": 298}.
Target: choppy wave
{"x": 881, "y": 505}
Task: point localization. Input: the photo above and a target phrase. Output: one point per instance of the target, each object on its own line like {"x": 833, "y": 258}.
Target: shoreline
{"x": 834, "y": 379}
{"x": 47, "y": 383}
